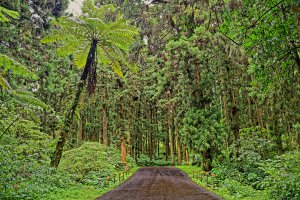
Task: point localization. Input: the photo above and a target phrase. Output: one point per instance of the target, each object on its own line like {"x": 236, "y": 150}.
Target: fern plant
{"x": 100, "y": 36}
{"x": 9, "y": 65}
{"x": 5, "y": 14}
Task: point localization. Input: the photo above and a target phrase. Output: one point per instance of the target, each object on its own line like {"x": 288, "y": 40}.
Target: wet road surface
{"x": 159, "y": 183}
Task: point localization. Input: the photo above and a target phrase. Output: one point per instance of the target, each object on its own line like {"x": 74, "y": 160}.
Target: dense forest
{"x": 212, "y": 85}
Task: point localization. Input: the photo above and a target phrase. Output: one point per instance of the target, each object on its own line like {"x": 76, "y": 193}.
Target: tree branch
{"x": 266, "y": 12}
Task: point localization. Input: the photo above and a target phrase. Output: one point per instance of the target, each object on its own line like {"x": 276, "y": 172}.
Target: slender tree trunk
{"x": 150, "y": 135}
{"x": 69, "y": 118}
{"x": 171, "y": 136}
{"x": 197, "y": 77}
{"x": 166, "y": 145}
{"x": 105, "y": 123}
{"x": 276, "y": 130}
{"x": 123, "y": 150}
{"x": 123, "y": 139}
{"x": 178, "y": 146}
{"x": 79, "y": 132}
{"x": 186, "y": 155}
{"x": 133, "y": 130}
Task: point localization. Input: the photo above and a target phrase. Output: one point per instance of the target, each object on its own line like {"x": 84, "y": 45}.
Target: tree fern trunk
{"x": 69, "y": 117}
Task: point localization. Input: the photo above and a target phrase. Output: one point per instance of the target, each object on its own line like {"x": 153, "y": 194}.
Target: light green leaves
{"x": 114, "y": 37}
{"x": 7, "y": 64}
{"x": 5, "y": 14}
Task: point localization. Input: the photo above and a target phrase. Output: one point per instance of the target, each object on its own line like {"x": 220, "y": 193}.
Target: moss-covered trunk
{"x": 69, "y": 117}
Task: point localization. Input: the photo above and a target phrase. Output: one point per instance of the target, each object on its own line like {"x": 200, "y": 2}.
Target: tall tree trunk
{"x": 105, "y": 111}
{"x": 79, "y": 132}
{"x": 276, "y": 130}
{"x": 69, "y": 117}
{"x": 150, "y": 135}
{"x": 133, "y": 130}
{"x": 171, "y": 135}
{"x": 123, "y": 150}
{"x": 105, "y": 122}
{"x": 123, "y": 139}
{"x": 167, "y": 147}
{"x": 186, "y": 153}
{"x": 178, "y": 146}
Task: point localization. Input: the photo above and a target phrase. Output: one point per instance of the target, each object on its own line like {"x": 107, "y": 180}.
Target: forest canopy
{"x": 211, "y": 83}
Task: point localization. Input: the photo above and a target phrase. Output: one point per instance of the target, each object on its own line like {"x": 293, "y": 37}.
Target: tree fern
{"x": 10, "y": 66}
{"x": 5, "y": 14}
{"x": 76, "y": 35}
{"x": 100, "y": 36}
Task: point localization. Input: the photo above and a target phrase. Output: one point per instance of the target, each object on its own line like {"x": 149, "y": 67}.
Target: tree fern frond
{"x": 54, "y": 37}
{"x": 9, "y": 64}
{"x": 75, "y": 36}
{"x": 68, "y": 48}
{"x": 5, "y": 12}
{"x": 115, "y": 65}
{"x": 96, "y": 25}
{"x": 80, "y": 56}
{"x": 27, "y": 97}
{"x": 124, "y": 33}
{"x": 102, "y": 58}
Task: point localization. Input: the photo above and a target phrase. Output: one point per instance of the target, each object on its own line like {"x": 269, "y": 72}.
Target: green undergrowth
{"x": 85, "y": 172}
{"x": 92, "y": 163}
{"x": 84, "y": 192}
{"x": 228, "y": 189}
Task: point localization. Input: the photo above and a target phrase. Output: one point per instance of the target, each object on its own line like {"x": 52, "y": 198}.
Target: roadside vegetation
{"x": 210, "y": 86}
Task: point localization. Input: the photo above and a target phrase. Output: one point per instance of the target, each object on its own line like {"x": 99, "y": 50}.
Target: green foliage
{"x": 114, "y": 37}
{"x": 83, "y": 192}
{"x": 236, "y": 190}
{"x": 259, "y": 140}
{"x": 5, "y": 13}
{"x": 227, "y": 188}
{"x": 283, "y": 176}
{"x": 24, "y": 158}
{"x": 9, "y": 65}
{"x": 145, "y": 161}
{"x": 92, "y": 162}
{"x": 76, "y": 193}
{"x": 204, "y": 129}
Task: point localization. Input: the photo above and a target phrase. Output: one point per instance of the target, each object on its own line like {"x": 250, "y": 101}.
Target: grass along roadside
{"x": 84, "y": 192}
{"x": 227, "y": 189}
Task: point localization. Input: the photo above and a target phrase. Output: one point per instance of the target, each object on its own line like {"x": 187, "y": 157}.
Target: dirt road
{"x": 159, "y": 183}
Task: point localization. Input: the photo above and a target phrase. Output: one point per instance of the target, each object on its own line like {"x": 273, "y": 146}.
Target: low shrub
{"x": 145, "y": 161}
{"x": 92, "y": 162}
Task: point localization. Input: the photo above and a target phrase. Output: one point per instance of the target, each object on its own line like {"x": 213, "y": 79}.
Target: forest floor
{"x": 159, "y": 183}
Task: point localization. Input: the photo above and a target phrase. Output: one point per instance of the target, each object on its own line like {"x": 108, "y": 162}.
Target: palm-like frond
{"x": 26, "y": 98}
{"x": 8, "y": 64}
{"x": 16, "y": 68}
{"x": 114, "y": 38}
{"x": 5, "y": 13}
